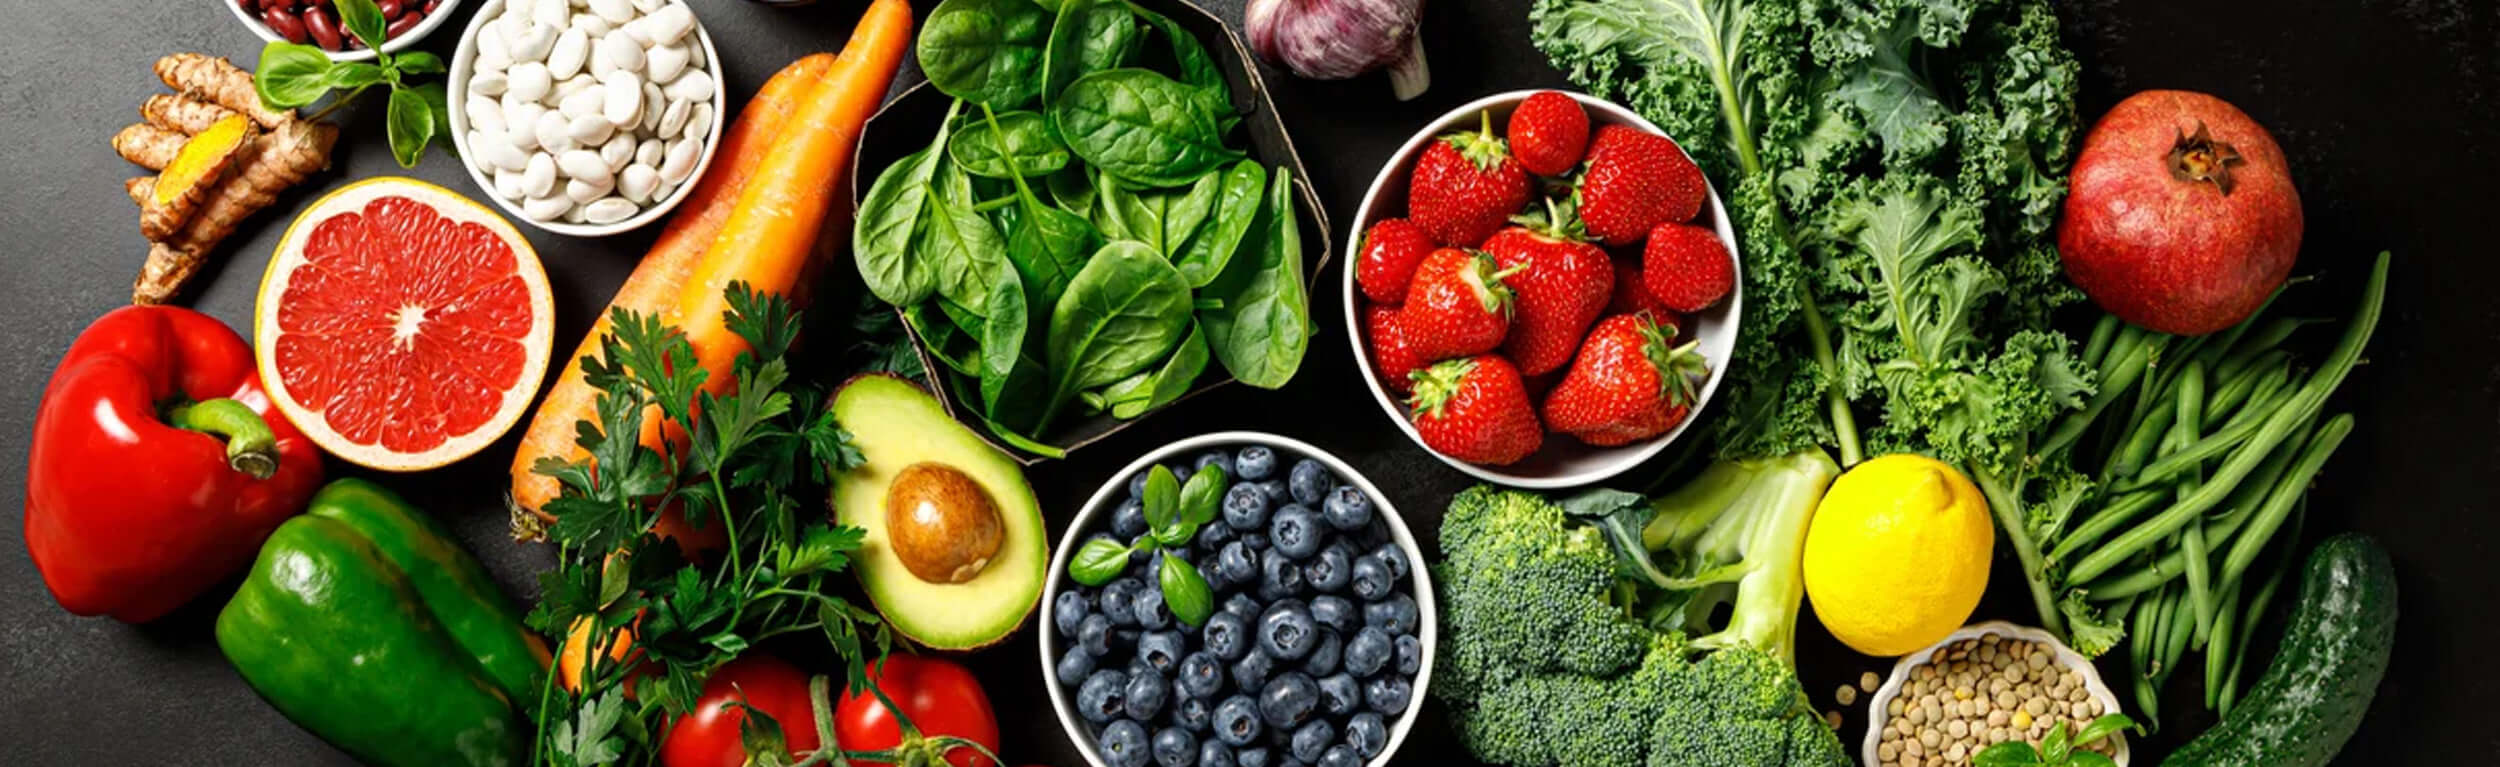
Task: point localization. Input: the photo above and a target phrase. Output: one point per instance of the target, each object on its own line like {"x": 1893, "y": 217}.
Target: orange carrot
{"x": 656, "y": 282}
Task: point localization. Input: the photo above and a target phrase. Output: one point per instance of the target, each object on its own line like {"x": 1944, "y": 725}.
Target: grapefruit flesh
{"x": 402, "y": 326}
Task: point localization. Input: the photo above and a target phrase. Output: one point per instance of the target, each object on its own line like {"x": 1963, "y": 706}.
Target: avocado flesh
{"x": 896, "y": 424}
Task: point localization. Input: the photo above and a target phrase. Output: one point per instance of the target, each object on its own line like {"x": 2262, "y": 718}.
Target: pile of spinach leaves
{"x": 1079, "y": 234}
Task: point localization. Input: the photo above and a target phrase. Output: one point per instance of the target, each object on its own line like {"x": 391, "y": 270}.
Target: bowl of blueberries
{"x": 1237, "y": 599}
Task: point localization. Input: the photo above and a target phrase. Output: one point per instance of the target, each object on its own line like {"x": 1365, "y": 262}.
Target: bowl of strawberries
{"x": 1544, "y": 290}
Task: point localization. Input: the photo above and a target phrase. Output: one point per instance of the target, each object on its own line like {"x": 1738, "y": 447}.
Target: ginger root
{"x": 182, "y": 113}
{"x": 217, "y": 81}
{"x": 196, "y": 169}
{"x": 263, "y": 167}
{"x": 149, "y": 146}
{"x": 223, "y": 157}
{"x": 140, "y": 189}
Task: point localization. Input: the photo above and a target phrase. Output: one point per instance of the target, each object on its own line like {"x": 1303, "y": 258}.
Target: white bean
{"x": 484, "y": 113}
{"x": 539, "y": 178}
{"x": 674, "y": 119}
{"x": 698, "y": 122}
{"x": 618, "y": 151}
{"x": 662, "y": 191}
{"x": 694, "y": 54}
{"x": 623, "y": 104}
{"x": 647, "y": 6}
{"x": 530, "y": 81}
{"x": 571, "y": 49}
{"x": 552, "y": 13}
{"x": 508, "y": 184}
{"x": 620, "y": 51}
{"x": 584, "y": 190}
{"x": 691, "y": 86}
{"x": 523, "y": 125}
{"x": 670, "y": 23}
{"x": 534, "y": 43}
{"x": 586, "y": 103}
{"x": 665, "y": 62}
{"x": 653, "y": 106}
{"x": 513, "y": 30}
{"x": 583, "y": 164}
{"x": 554, "y": 132}
{"x": 615, "y": 11}
{"x": 497, "y": 152}
{"x": 609, "y": 211}
{"x": 490, "y": 59}
{"x": 571, "y": 85}
{"x": 678, "y": 162}
{"x": 518, "y": 8}
{"x": 589, "y": 130}
{"x": 573, "y": 214}
{"x": 637, "y": 181}
{"x": 649, "y": 152}
{"x": 634, "y": 29}
{"x": 488, "y": 83}
{"x": 590, "y": 24}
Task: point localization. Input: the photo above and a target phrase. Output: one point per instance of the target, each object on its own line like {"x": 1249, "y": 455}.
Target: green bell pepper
{"x": 366, "y": 623}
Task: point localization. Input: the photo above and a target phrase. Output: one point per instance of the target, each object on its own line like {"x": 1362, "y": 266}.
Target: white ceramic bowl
{"x": 393, "y": 45}
{"x": 2066, "y": 657}
{"x": 464, "y": 62}
{"x": 1096, "y": 515}
{"x": 1563, "y": 461}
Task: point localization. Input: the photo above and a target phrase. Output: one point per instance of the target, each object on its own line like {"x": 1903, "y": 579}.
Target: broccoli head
{"x": 1577, "y": 633}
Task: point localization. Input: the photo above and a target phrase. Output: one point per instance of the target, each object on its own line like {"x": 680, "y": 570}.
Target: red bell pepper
{"x": 156, "y": 467}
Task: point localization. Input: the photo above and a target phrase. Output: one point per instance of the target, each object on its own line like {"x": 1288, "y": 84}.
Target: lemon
{"x": 1898, "y": 554}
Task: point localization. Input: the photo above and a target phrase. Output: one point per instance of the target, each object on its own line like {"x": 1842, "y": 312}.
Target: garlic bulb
{"x": 1338, "y": 39}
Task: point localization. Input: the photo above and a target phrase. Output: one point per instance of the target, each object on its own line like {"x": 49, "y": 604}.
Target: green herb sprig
{"x": 293, "y": 75}
{"x": 2057, "y": 749}
{"x": 1174, "y": 512}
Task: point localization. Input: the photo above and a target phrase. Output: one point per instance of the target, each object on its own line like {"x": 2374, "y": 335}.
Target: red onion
{"x": 1338, "y": 39}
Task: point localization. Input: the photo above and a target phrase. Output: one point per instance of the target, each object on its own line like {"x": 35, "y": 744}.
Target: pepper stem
{"x": 251, "y": 447}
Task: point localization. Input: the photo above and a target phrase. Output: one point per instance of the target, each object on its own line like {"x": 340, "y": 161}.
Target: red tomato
{"x": 939, "y": 696}
{"x": 708, "y": 735}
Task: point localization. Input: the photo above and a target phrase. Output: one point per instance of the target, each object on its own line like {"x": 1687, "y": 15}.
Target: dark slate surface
{"x": 2385, "y": 107}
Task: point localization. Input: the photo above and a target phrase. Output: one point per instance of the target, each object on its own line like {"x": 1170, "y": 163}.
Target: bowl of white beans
{"x": 586, "y": 118}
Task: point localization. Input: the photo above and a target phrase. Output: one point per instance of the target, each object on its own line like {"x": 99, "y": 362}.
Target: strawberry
{"x": 1686, "y": 268}
{"x": 1465, "y": 186}
{"x": 1632, "y": 297}
{"x": 1390, "y": 357}
{"x": 1390, "y": 252}
{"x": 1457, "y": 307}
{"x": 1549, "y": 132}
{"x": 1628, "y": 384}
{"x": 1475, "y": 410}
{"x": 1636, "y": 181}
{"x": 1562, "y": 284}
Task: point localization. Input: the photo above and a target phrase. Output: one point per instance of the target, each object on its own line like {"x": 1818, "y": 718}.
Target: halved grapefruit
{"x": 402, "y": 326}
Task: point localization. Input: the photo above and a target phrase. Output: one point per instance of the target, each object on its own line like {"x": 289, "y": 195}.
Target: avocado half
{"x": 898, "y": 425}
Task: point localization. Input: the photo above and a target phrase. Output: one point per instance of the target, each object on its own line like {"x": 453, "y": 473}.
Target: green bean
{"x": 2191, "y": 419}
{"x": 2102, "y": 333}
{"x": 2283, "y": 558}
{"x": 2146, "y": 636}
{"x": 2243, "y": 503}
{"x": 2229, "y": 338}
{"x": 2142, "y": 443}
{"x": 2272, "y": 336}
{"x": 2231, "y": 435}
{"x": 2234, "y": 389}
{"x": 2102, "y": 522}
{"x": 2218, "y": 648}
{"x": 2244, "y": 547}
{"x": 2176, "y": 638}
{"x": 2116, "y": 380}
{"x": 2306, "y": 402}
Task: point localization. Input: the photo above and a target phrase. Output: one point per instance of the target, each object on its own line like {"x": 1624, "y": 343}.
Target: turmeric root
{"x": 140, "y": 189}
{"x": 188, "y": 179}
{"x": 182, "y": 113}
{"x": 149, "y": 146}
{"x": 261, "y": 169}
{"x": 215, "y": 80}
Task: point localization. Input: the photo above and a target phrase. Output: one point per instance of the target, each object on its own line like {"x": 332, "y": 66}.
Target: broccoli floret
{"x": 1566, "y": 642}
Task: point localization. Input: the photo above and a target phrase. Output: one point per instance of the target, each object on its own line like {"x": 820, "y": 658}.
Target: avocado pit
{"x": 941, "y": 525}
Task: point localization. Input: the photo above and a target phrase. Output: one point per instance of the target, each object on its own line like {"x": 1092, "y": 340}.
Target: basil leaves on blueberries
{"x": 1221, "y": 634}
{"x": 1084, "y": 234}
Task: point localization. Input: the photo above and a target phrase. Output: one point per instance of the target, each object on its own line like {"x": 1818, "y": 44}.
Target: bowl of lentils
{"x": 1237, "y": 599}
{"x": 1985, "y": 684}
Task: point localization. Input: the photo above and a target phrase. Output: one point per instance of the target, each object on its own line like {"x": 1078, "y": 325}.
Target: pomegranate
{"x": 2180, "y": 216}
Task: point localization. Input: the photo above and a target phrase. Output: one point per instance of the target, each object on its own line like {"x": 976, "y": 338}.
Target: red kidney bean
{"x": 401, "y": 25}
{"x": 390, "y": 10}
{"x": 286, "y": 24}
{"x": 276, "y": 5}
{"x": 324, "y": 30}
{"x": 430, "y": 4}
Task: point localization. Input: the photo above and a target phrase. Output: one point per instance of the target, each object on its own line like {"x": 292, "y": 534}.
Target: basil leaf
{"x": 985, "y": 51}
{"x": 889, "y": 223}
{"x": 1136, "y": 395}
{"x": 417, "y": 63}
{"x": 964, "y": 252}
{"x": 1263, "y": 328}
{"x": 1098, "y": 562}
{"x": 1186, "y": 592}
{"x": 2012, "y": 753}
{"x": 1236, "y": 207}
{"x": 1088, "y": 36}
{"x": 363, "y": 19}
{"x": 1175, "y": 534}
{"x": 1124, "y": 311}
{"x": 1203, "y": 493}
{"x": 440, "y": 103}
{"x": 410, "y": 124}
{"x": 291, "y": 75}
{"x": 354, "y": 74}
{"x": 1139, "y": 125}
{"x": 2089, "y": 759}
{"x": 2102, "y": 727}
{"x": 1020, "y": 144}
{"x": 2055, "y": 748}
{"x": 1162, "y": 497}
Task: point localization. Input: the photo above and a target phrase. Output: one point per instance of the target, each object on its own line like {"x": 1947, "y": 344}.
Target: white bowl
{"x": 464, "y": 61}
{"x": 1427, "y": 630}
{"x": 393, "y": 45}
{"x": 1563, "y": 461}
{"x": 2066, "y": 657}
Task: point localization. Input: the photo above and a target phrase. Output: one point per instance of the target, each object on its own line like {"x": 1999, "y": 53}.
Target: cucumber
{"x": 2314, "y": 695}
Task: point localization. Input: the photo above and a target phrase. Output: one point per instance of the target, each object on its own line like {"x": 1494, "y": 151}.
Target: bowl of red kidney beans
{"x": 316, "y": 23}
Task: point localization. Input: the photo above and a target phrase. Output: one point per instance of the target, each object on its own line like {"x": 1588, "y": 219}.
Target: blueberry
{"x": 1181, "y": 474}
{"x": 1128, "y": 520}
{"x": 1193, "y": 713}
{"x": 1278, "y": 577}
{"x": 1286, "y": 630}
{"x": 1348, "y": 508}
{"x": 1310, "y": 481}
{"x": 1094, "y": 635}
{"x": 1069, "y": 610}
{"x": 1339, "y": 694}
{"x": 1237, "y": 721}
{"x": 1395, "y": 615}
{"x": 1330, "y": 570}
{"x": 1149, "y": 608}
{"x": 1295, "y": 530}
{"x": 1252, "y": 757}
{"x": 1245, "y": 508}
{"x": 1325, "y": 656}
{"x": 1370, "y": 579}
{"x": 1245, "y": 606}
{"x": 1201, "y": 675}
{"x": 1339, "y": 755}
{"x": 1288, "y": 700}
{"x": 1368, "y": 733}
{"x": 1138, "y": 668}
{"x": 1387, "y": 694}
{"x": 1312, "y": 738}
{"x": 1226, "y": 636}
{"x": 1410, "y": 655}
{"x": 1174, "y": 747}
{"x": 1335, "y": 613}
{"x": 1392, "y": 557}
{"x": 1236, "y": 564}
{"x": 1103, "y": 696}
{"x": 1211, "y": 538}
{"x": 1146, "y": 696}
{"x": 1369, "y": 652}
{"x": 1137, "y": 482}
{"x": 1216, "y": 458}
{"x": 1123, "y": 744}
{"x": 1074, "y": 665}
{"x": 1257, "y": 541}
{"x": 1275, "y": 490}
{"x": 1213, "y": 754}
{"x": 1162, "y": 650}
{"x": 1118, "y": 598}
{"x": 1255, "y": 462}
{"x": 1251, "y": 671}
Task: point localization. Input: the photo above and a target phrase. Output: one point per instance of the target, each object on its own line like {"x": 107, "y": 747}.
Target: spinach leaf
{"x": 1072, "y": 188}
{"x": 1140, "y": 125}
{"x": 1264, "y": 326}
{"x": 1136, "y": 395}
{"x": 1019, "y": 143}
{"x": 1184, "y": 212}
{"x": 890, "y": 222}
{"x": 1089, "y": 36}
{"x": 965, "y": 255}
{"x": 985, "y": 51}
{"x": 1197, "y": 68}
{"x": 1046, "y": 245}
{"x": 1112, "y": 208}
{"x": 1140, "y": 214}
{"x": 1009, "y": 378}
{"x": 943, "y": 338}
{"x": 1236, "y": 207}
{"x": 1124, "y": 311}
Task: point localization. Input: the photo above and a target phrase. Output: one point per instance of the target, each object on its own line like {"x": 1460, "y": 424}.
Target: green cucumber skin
{"x": 2314, "y": 695}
